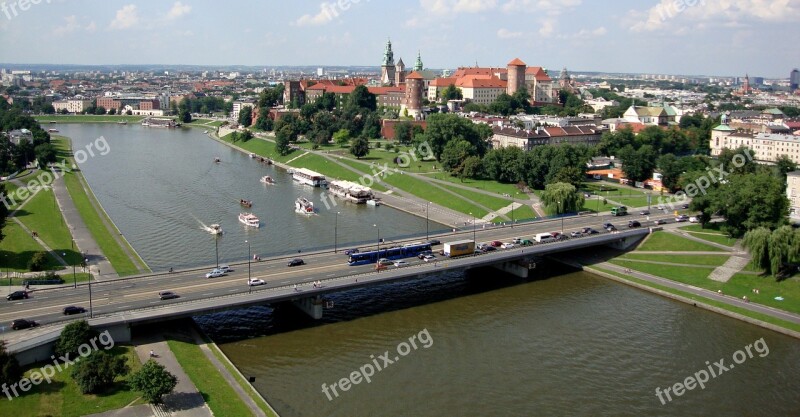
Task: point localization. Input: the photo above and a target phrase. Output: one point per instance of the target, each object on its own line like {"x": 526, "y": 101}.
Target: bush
{"x": 10, "y": 372}
{"x": 72, "y": 337}
{"x": 153, "y": 381}
{"x": 97, "y": 371}
{"x": 38, "y": 262}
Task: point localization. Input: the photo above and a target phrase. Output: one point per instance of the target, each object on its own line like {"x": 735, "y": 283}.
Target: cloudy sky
{"x": 702, "y": 37}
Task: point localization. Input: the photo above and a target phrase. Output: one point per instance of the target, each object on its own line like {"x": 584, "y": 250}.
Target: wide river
{"x": 450, "y": 345}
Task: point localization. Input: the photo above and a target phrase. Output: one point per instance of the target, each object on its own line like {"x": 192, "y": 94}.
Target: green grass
{"x": 743, "y": 284}
{"x": 715, "y": 227}
{"x": 89, "y": 118}
{"x": 523, "y": 213}
{"x": 220, "y": 397}
{"x": 11, "y": 190}
{"x": 43, "y": 216}
{"x": 700, "y": 260}
{"x": 424, "y": 191}
{"x": 486, "y": 185}
{"x": 758, "y": 316}
{"x": 244, "y": 384}
{"x": 663, "y": 241}
{"x": 715, "y": 238}
{"x": 494, "y": 203}
{"x": 62, "y": 398}
{"x": 207, "y": 123}
{"x": 17, "y": 248}
{"x": 263, "y": 148}
{"x": 697, "y": 276}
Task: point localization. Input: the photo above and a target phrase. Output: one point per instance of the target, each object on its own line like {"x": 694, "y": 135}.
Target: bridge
{"x": 117, "y": 305}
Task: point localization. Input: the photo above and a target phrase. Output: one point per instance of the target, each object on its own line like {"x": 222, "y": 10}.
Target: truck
{"x": 459, "y": 248}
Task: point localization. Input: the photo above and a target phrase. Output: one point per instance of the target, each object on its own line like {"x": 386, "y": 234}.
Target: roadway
{"x": 113, "y": 297}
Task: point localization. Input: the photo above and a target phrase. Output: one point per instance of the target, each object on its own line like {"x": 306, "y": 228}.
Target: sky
{"x": 689, "y": 37}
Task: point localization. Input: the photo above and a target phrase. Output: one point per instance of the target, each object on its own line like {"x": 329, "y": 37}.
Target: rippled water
{"x": 159, "y": 185}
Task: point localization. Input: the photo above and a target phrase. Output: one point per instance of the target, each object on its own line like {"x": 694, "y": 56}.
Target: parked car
{"x": 496, "y": 243}
{"x": 167, "y": 295}
{"x": 660, "y": 221}
{"x": 429, "y": 258}
{"x": 634, "y": 223}
{"x": 659, "y": 207}
{"x": 682, "y": 218}
{"x": 589, "y": 231}
{"x": 70, "y": 310}
{"x": 17, "y": 295}
{"x": 424, "y": 254}
{"x": 255, "y": 281}
{"x": 296, "y": 262}
{"x": 225, "y": 268}
{"x": 694, "y": 219}
{"x": 20, "y": 324}
{"x": 215, "y": 273}
{"x": 575, "y": 234}
{"x": 645, "y": 212}
{"x": 508, "y": 245}
{"x": 489, "y": 248}
{"x": 400, "y": 263}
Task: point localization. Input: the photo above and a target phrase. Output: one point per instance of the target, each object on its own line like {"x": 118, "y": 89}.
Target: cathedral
{"x": 394, "y": 74}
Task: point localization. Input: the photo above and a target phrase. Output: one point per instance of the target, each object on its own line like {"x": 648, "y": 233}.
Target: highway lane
{"x": 109, "y": 297}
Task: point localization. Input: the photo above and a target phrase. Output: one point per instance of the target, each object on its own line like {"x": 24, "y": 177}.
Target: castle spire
{"x": 418, "y": 65}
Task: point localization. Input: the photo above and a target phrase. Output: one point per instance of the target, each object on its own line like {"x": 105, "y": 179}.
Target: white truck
{"x": 459, "y": 248}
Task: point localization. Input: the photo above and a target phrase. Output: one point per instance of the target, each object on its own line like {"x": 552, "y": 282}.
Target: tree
{"x": 153, "y": 381}
{"x": 454, "y": 155}
{"x": 327, "y": 101}
{"x": 45, "y": 154}
{"x": 403, "y": 132}
{"x": 342, "y": 137}
{"x": 98, "y": 371}
{"x": 38, "y": 262}
{"x": 757, "y": 242}
{"x": 362, "y": 98}
{"x": 263, "y": 122}
{"x": 442, "y": 128}
{"x": 451, "y": 92}
{"x": 638, "y": 164}
{"x": 100, "y": 110}
{"x": 271, "y": 97}
{"x": 561, "y": 197}
{"x": 359, "y": 147}
{"x": 246, "y": 116}
{"x": 72, "y": 337}
{"x": 112, "y": 111}
{"x": 471, "y": 168}
{"x": 282, "y": 140}
{"x": 3, "y": 213}
{"x": 750, "y": 201}
{"x": 185, "y": 116}
{"x": 10, "y": 371}
{"x": 784, "y": 165}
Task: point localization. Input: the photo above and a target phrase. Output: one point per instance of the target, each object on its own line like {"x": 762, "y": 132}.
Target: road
{"x": 115, "y": 296}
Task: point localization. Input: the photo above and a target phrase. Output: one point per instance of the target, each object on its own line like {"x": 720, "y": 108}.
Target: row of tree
{"x": 15, "y": 157}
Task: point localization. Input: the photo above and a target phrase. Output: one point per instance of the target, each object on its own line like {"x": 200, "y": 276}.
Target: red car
{"x": 496, "y": 243}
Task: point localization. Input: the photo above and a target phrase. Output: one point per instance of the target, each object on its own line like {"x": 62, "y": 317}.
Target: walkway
{"x": 41, "y": 243}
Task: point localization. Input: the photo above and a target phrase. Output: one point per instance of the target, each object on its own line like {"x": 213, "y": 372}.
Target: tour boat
{"x": 249, "y": 219}
{"x": 373, "y": 202}
{"x": 303, "y": 206}
{"x": 52, "y": 130}
{"x": 214, "y": 229}
{"x": 246, "y": 203}
{"x": 266, "y": 179}
{"x": 122, "y": 123}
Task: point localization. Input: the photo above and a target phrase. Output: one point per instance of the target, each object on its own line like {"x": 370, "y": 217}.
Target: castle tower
{"x": 413, "y": 99}
{"x": 418, "y": 65}
{"x": 746, "y": 84}
{"x": 400, "y": 72}
{"x": 388, "y": 67}
{"x": 516, "y": 76}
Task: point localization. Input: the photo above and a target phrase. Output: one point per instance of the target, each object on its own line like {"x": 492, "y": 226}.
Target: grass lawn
{"x": 494, "y": 203}
{"x": 220, "y": 397}
{"x": 17, "y": 247}
{"x": 263, "y": 148}
{"x": 486, "y": 185}
{"x": 716, "y": 238}
{"x": 700, "y": 260}
{"x": 87, "y": 118}
{"x": 715, "y": 227}
{"x": 524, "y": 212}
{"x": 697, "y": 276}
{"x": 43, "y": 216}
{"x": 424, "y": 191}
{"x": 11, "y": 190}
{"x": 715, "y": 303}
{"x": 205, "y": 123}
{"x": 632, "y": 201}
{"x": 663, "y": 241}
{"x": 409, "y": 163}
{"x": 743, "y": 284}
{"x": 244, "y": 384}
{"x": 62, "y": 398}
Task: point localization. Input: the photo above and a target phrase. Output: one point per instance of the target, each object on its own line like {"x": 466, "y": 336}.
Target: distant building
{"x": 388, "y": 67}
{"x": 794, "y": 79}
{"x": 526, "y": 140}
{"x": 766, "y": 146}
{"x": 238, "y": 106}
{"x": 650, "y": 116}
{"x": 72, "y": 106}
{"x": 793, "y": 192}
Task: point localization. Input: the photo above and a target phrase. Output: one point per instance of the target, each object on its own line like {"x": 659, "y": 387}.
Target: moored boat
{"x": 303, "y": 206}
{"x": 216, "y": 159}
{"x": 374, "y": 202}
{"x": 266, "y": 179}
{"x": 246, "y": 203}
{"x": 52, "y": 130}
{"x": 249, "y": 220}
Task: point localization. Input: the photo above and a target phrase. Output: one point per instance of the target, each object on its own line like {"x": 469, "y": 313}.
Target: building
{"x": 238, "y": 106}
{"x": 600, "y": 103}
{"x": 413, "y": 96}
{"x": 766, "y": 146}
{"x": 540, "y": 86}
{"x": 504, "y": 136}
{"x": 794, "y": 79}
{"x": 793, "y": 192}
{"x": 516, "y": 76}
{"x": 650, "y": 116}
{"x": 72, "y": 106}
{"x": 388, "y": 66}
{"x": 481, "y": 90}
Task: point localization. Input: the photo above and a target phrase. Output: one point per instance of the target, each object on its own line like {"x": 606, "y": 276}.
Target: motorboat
{"x": 246, "y": 203}
{"x": 249, "y": 220}
{"x": 214, "y": 229}
{"x": 373, "y": 202}
{"x": 266, "y": 179}
{"x": 303, "y": 206}
{"x": 52, "y": 130}
{"x": 217, "y": 160}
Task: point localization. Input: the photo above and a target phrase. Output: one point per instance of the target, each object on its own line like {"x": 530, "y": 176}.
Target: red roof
{"x": 380, "y": 91}
{"x": 516, "y": 63}
{"x": 486, "y": 72}
{"x": 443, "y": 82}
{"x": 414, "y": 76}
{"x": 481, "y": 82}
{"x": 539, "y": 73}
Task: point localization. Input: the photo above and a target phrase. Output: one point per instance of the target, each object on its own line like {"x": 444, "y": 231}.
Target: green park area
{"x": 86, "y": 118}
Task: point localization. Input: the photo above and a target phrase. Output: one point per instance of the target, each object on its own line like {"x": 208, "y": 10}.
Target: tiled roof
{"x": 481, "y": 82}
{"x": 516, "y": 63}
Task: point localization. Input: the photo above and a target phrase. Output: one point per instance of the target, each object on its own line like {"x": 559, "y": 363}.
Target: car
{"x": 659, "y": 207}
{"x": 527, "y": 242}
{"x": 296, "y": 262}
{"x": 694, "y": 219}
{"x": 634, "y": 223}
{"x": 589, "y": 231}
{"x": 400, "y": 263}
{"x": 660, "y": 221}
{"x": 645, "y": 212}
{"x": 682, "y": 218}
{"x": 225, "y": 268}
{"x": 489, "y": 248}
{"x": 496, "y": 243}
{"x": 255, "y": 281}
{"x": 508, "y": 245}
{"x": 384, "y": 261}
{"x": 167, "y": 295}
{"x": 20, "y": 324}
{"x": 422, "y": 255}
{"x": 429, "y": 258}
{"x": 434, "y": 242}
{"x": 70, "y": 310}
{"x": 685, "y": 206}
{"x": 215, "y": 273}
{"x": 352, "y": 251}
{"x": 609, "y": 227}
{"x": 17, "y": 295}
{"x": 517, "y": 240}
{"x": 575, "y": 234}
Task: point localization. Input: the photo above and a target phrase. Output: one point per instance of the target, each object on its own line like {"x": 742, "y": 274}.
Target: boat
{"x": 374, "y": 202}
{"x": 52, "y": 130}
{"x": 214, "y": 229}
{"x": 251, "y": 155}
{"x": 308, "y": 177}
{"x": 216, "y": 159}
{"x": 249, "y": 220}
{"x": 122, "y": 123}
{"x": 266, "y": 179}
{"x": 303, "y": 206}
{"x": 246, "y": 203}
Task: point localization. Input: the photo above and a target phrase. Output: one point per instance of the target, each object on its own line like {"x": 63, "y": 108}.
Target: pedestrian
{"x": 295, "y": 287}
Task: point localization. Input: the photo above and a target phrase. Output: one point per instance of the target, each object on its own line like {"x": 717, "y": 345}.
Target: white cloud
{"x": 674, "y": 13}
{"x": 442, "y": 7}
{"x": 91, "y": 27}
{"x": 586, "y": 34}
{"x": 504, "y": 33}
{"x": 72, "y": 24}
{"x": 550, "y": 7}
{"x": 126, "y": 18}
{"x": 547, "y": 29}
{"x": 325, "y": 15}
{"x": 178, "y": 9}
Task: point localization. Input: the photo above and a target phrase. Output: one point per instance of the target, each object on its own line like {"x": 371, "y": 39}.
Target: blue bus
{"x": 371, "y": 257}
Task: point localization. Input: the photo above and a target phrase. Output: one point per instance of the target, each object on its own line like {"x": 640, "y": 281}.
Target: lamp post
{"x": 427, "y": 223}
{"x": 216, "y": 249}
{"x": 560, "y": 209}
{"x": 91, "y": 311}
{"x": 473, "y": 226}
{"x": 512, "y": 210}
{"x": 379, "y": 235}
{"x": 249, "y": 256}
{"x": 336, "y": 232}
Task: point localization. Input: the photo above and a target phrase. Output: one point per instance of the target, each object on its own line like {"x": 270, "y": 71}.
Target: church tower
{"x": 418, "y": 65}
{"x": 400, "y": 73}
{"x": 388, "y": 66}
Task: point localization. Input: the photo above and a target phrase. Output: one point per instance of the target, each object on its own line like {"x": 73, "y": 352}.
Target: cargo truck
{"x": 459, "y": 248}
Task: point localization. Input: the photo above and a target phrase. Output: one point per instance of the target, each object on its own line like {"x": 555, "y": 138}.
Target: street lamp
{"x": 216, "y": 248}
{"x": 379, "y": 235}
{"x": 91, "y": 311}
{"x": 249, "y": 256}
{"x": 335, "y": 232}
{"x": 560, "y": 209}
{"x": 427, "y": 223}
{"x": 512, "y": 210}
{"x": 473, "y": 226}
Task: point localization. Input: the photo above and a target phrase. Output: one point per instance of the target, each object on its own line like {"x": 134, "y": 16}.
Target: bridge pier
{"x": 520, "y": 268}
{"x": 625, "y": 243}
{"x": 120, "y": 333}
{"x": 310, "y": 305}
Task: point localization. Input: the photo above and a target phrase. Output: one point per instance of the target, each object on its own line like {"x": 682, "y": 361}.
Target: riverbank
{"x": 48, "y": 120}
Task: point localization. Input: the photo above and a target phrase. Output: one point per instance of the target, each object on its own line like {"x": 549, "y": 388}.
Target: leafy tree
{"x": 38, "y": 262}
{"x": 471, "y": 168}
{"x": 185, "y": 116}
{"x": 263, "y": 122}
{"x": 757, "y": 242}
{"x": 442, "y": 128}
{"x": 246, "y": 116}
{"x": 784, "y": 165}
{"x": 100, "y": 110}
{"x": 45, "y": 154}
{"x": 362, "y": 98}
{"x": 308, "y": 110}
{"x": 403, "y": 132}
{"x": 271, "y": 97}
{"x": 327, "y": 101}
{"x": 3, "y": 213}
{"x": 454, "y": 155}
{"x": 638, "y": 164}
{"x": 342, "y": 137}
{"x": 153, "y": 381}
{"x": 112, "y": 111}
{"x": 283, "y": 138}
{"x": 359, "y": 147}
{"x": 561, "y": 197}
{"x": 98, "y": 371}
{"x": 505, "y": 165}
{"x": 72, "y": 337}
{"x": 10, "y": 371}
{"x": 749, "y": 201}
{"x": 735, "y": 161}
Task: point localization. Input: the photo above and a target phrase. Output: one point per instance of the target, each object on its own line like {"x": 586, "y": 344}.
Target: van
{"x": 544, "y": 237}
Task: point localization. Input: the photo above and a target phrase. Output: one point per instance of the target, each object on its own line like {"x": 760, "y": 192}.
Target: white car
{"x": 225, "y": 268}
{"x": 429, "y": 258}
{"x": 255, "y": 281}
{"x": 215, "y": 273}
{"x": 399, "y": 264}
{"x": 507, "y": 245}
{"x": 681, "y": 218}
{"x": 694, "y": 220}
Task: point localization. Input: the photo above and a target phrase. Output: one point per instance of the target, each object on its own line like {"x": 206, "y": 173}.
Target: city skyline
{"x": 687, "y": 37}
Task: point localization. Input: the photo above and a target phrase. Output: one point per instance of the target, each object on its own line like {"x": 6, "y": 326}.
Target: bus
{"x": 406, "y": 251}
{"x": 619, "y": 211}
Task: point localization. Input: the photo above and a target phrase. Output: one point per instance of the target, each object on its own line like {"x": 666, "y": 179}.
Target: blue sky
{"x": 715, "y": 37}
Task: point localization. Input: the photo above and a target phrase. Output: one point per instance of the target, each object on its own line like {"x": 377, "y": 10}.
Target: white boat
{"x": 373, "y": 202}
{"x": 251, "y": 155}
{"x": 303, "y": 206}
{"x": 214, "y": 229}
{"x": 308, "y": 177}
{"x": 266, "y": 179}
{"x": 205, "y": 132}
{"x": 249, "y": 220}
